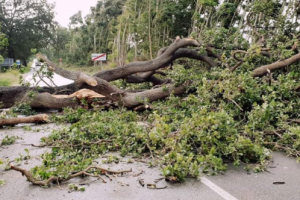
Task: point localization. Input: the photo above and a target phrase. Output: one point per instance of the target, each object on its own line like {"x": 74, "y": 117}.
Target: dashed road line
{"x": 225, "y": 195}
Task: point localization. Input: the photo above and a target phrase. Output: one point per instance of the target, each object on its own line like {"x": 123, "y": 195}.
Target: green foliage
{"x": 22, "y": 157}
{"x": 24, "y": 108}
{"x": 74, "y": 187}
{"x": 8, "y": 140}
{"x": 111, "y": 159}
{"x": 268, "y": 7}
{"x": 5, "y": 82}
{"x": 2, "y": 182}
{"x": 211, "y": 3}
{"x": 3, "y": 44}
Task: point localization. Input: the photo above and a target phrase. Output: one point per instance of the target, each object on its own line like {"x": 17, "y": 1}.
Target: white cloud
{"x": 66, "y": 8}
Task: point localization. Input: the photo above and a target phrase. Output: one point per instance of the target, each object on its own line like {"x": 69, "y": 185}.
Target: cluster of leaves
{"x": 24, "y": 108}
{"x": 74, "y": 187}
{"x": 21, "y": 157}
{"x": 8, "y": 140}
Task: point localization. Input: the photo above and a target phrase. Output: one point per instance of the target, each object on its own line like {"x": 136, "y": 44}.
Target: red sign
{"x": 96, "y": 57}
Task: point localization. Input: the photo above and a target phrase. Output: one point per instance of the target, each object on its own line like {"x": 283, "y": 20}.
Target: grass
{"x": 11, "y": 77}
{"x": 5, "y": 82}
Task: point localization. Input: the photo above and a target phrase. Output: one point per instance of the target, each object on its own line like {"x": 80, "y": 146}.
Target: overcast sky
{"x": 66, "y": 8}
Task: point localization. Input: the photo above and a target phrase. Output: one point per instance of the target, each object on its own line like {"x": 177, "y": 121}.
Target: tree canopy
{"x": 3, "y": 44}
{"x": 27, "y": 24}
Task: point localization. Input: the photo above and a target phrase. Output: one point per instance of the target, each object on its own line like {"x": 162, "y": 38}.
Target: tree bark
{"x": 263, "y": 70}
{"x": 21, "y": 120}
{"x": 146, "y": 66}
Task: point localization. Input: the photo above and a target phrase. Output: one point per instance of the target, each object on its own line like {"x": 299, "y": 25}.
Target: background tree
{"x": 27, "y": 24}
{"x": 3, "y": 44}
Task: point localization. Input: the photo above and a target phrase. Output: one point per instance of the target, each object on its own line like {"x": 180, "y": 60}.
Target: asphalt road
{"x": 234, "y": 184}
{"x": 33, "y": 79}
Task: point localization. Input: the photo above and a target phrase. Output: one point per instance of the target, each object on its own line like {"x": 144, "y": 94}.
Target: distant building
{"x": 7, "y": 63}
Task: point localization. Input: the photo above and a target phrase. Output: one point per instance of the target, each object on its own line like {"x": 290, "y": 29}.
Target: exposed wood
{"x": 81, "y": 94}
{"x": 20, "y": 120}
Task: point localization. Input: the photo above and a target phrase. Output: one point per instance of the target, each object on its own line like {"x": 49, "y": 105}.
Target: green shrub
{"x": 5, "y": 83}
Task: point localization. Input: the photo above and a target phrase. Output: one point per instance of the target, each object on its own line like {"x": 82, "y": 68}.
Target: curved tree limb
{"x": 146, "y": 66}
{"x": 180, "y": 53}
{"x": 263, "y": 70}
{"x": 55, "y": 179}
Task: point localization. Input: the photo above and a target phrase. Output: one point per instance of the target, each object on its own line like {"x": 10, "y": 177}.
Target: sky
{"x": 64, "y": 9}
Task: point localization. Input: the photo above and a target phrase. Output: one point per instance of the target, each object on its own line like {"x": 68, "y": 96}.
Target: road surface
{"x": 236, "y": 183}
{"x": 33, "y": 79}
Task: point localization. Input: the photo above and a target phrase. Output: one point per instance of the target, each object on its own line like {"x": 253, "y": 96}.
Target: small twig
{"x": 274, "y": 133}
{"x": 108, "y": 176}
{"x": 294, "y": 120}
{"x": 154, "y": 187}
{"x": 270, "y": 77}
{"x": 142, "y": 182}
{"x": 236, "y": 66}
{"x": 150, "y": 150}
{"x": 235, "y": 104}
{"x": 158, "y": 180}
{"x": 122, "y": 184}
{"x": 138, "y": 174}
{"x": 43, "y": 80}
{"x": 38, "y": 146}
{"x": 89, "y": 183}
{"x": 142, "y": 161}
{"x": 237, "y": 52}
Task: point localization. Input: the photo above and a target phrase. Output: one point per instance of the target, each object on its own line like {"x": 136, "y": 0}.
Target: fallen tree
{"x": 226, "y": 113}
{"x": 135, "y": 72}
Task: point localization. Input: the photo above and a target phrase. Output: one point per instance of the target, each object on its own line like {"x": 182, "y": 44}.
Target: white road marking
{"x": 225, "y": 195}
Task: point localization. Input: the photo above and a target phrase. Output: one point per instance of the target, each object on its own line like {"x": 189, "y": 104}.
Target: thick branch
{"x": 180, "y": 53}
{"x": 146, "y": 77}
{"x": 134, "y": 99}
{"x": 263, "y": 70}
{"x": 146, "y": 66}
{"x": 46, "y": 100}
{"x": 20, "y": 120}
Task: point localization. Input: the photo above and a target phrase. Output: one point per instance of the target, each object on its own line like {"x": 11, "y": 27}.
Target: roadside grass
{"x": 11, "y": 77}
